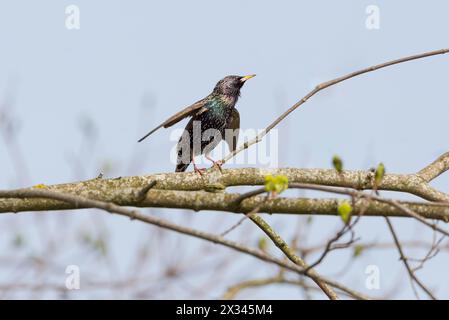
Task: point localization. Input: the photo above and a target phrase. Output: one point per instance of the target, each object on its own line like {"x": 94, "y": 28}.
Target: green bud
{"x": 379, "y": 174}
{"x": 276, "y": 184}
{"x": 262, "y": 243}
{"x": 344, "y": 210}
{"x": 337, "y": 163}
{"x": 358, "y": 249}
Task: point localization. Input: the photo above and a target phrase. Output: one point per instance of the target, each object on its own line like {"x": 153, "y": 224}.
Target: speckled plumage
{"x": 217, "y": 111}
{"x": 217, "y": 116}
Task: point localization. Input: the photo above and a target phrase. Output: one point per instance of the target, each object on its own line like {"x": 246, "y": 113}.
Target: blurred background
{"x": 73, "y": 103}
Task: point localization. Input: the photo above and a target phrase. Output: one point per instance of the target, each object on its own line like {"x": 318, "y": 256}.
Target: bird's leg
{"x": 217, "y": 164}
{"x": 196, "y": 168}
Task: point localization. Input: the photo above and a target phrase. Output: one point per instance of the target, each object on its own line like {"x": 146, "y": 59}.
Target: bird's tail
{"x": 146, "y": 136}
{"x": 181, "y": 167}
{"x": 183, "y": 160}
{"x": 185, "y": 152}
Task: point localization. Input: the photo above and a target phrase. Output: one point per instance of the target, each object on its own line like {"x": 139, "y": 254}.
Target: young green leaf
{"x": 276, "y": 184}
{"x": 337, "y": 163}
{"x": 344, "y": 210}
{"x": 358, "y": 249}
{"x": 379, "y": 174}
{"x": 262, "y": 244}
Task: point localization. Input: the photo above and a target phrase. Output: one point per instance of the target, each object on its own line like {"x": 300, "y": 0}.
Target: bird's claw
{"x": 218, "y": 164}
{"x": 215, "y": 164}
{"x": 199, "y": 170}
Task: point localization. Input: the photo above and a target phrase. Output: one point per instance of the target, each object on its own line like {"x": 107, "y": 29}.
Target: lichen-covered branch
{"x": 135, "y": 215}
{"x": 436, "y": 168}
{"x": 202, "y": 200}
{"x": 188, "y": 190}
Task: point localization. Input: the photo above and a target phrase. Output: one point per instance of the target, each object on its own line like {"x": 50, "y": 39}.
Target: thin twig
{"x": 354, "y": 193}
{"x": 232, "y": 291}
{"x": 290, "y": 254}
{"x": 325, "y": 85}
{"x": 82, "y": 202}
{"x": 405, "y": 261}
{"x": 284, "y": 247}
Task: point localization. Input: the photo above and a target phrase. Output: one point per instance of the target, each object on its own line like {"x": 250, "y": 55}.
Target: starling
{"x": 214, "y": 118}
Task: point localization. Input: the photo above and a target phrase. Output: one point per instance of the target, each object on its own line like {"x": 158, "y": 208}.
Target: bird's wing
{"x": 194, "y": 109}
{"x": 233, "y": 123}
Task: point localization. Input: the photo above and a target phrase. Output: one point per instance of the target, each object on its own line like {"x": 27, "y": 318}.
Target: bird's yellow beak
{"x": 243, "y": 79}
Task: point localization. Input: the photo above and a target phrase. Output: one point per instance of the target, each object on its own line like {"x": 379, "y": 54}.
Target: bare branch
{"x": 82, "y": 202}
{"x": 202, "y": 200}
{"x": 405, "y": 261}
{"x": 232, "y": 291}
{"x": 325, "y": 85}
{"x": 436, "y": 168}
{"x": 290, "y": 253}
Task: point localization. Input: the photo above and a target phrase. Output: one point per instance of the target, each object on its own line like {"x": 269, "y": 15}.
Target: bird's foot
{"x": 199, "y": 170}
{"x": 217, "y": 164}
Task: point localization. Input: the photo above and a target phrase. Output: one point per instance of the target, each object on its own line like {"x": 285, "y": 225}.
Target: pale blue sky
{"x": 133, "y": 63}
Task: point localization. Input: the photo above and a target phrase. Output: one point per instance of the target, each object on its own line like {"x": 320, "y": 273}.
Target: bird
{"x": 212, "y": 118}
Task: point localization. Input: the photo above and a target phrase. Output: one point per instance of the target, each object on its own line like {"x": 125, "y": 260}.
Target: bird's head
{"x": 231, "y": 85}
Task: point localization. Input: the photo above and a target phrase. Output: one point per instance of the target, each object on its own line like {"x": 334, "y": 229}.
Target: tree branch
{"x": 325, "y": 85}
{"x": 405, "y": 261}
{"x": 436, "y": 168}
{"x": 189, "y": 191}
{"x": 202, "y": 200}
{"x": 135, "y": 215}
{"x": 291, "y": 255}
{"x": 234, "y": 290}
